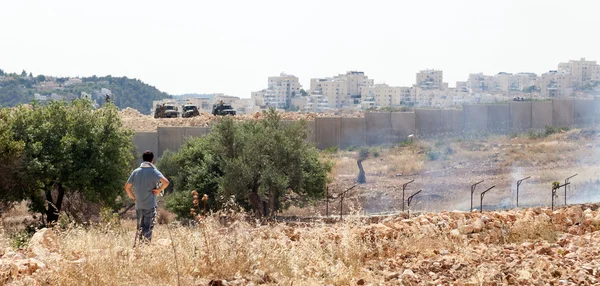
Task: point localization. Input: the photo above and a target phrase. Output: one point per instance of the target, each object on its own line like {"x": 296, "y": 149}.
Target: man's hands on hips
{"x": 156, "y": 191}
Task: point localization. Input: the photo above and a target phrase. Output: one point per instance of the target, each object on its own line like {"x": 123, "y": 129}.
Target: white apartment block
{"x": 385, "y": 95}
{"x": 478, "y": 82}
{"x": 341, "y": 90}
{"x": 556, "y": 84}
{"x": 505, "y": 82}
{"x": 433, "y": 97}
{"x": 431, "y": 79}
{"x": 279, "y": 93}
{"x": 526, "y": 80}
{"x": 317, "y": 103}
{"x": 258, "y": 97}
{"x": 596, "y": 73}
{"x": 462, "y": 86}
{"x": 582, "y": 71}
{"x": 281, "y": 89}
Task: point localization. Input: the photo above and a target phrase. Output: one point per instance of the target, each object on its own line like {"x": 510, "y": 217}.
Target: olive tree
{"x": 266, "y": 165}
{"x": 69, "y": 148}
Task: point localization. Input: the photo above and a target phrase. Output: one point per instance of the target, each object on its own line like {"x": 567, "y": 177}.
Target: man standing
{"x": 145, "y": 182}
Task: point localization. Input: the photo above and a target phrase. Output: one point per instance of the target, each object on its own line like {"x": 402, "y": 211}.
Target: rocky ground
{"x": 534, "y": 246}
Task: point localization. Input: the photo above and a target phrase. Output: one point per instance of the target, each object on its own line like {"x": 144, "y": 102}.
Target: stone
{"x": 408, "y": 274}
{"x": 43, "y": 242}
{"x": 478, "y": 225}
{"x": 164, "y": 242}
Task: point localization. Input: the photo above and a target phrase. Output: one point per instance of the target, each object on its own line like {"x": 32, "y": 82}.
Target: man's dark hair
{"x": 148, "y": 156}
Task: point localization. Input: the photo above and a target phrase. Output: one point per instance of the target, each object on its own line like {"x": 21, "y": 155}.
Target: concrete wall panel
{"x": 403, "y": 124}
{"x": 145, "y": 141}
{"x": 196, "y": 131}
{"x": 170, "y": 138}
{"x": 597, "y": 109}
{"x": 476, "y": 117}
{"x": 583, "y": 112}
{"x": 452, "y": 120}
{"x": 310, "y": 125}
{"x": 562, "y": 112}
{"x": 541, "y": 114}
{"x": 327, "y": 132}
{"x": 428, "y": 121}
{"x": 520, "y": 115}
{"x": 498, "y": 118}
{"x": 353, "y": 132}
{"x": 379, "y": 128}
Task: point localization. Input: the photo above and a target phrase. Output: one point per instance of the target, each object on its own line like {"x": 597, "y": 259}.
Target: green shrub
{"x": 331, "y": 150}
{"x": 433, "y": 155}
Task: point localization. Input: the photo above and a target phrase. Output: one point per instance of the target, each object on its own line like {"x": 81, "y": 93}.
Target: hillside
{"x": 126, "y": 92}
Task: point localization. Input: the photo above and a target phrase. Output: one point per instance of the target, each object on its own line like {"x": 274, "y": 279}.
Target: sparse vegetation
{"x": 262, "y": 164}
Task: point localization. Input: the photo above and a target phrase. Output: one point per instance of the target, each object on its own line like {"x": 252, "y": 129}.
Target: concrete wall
{"x": 379, "y": 128}
{"x": 541, "y": 114}
{"x": 597, "y": 109}
{"x": 390, "y": 128}
{"x": 353, "y": 132}
{"x": 452, "y": 120}
{"x": 498, "y": 118}
{"x": 476, "y": 118}
{"x": 520, "y": 115}
{"x": 170, "y": 138}
{"x": 310, "y": 125}
{"x": 583, "y": 112}
{"x": 428, "y": 121}
{"x": 327, "y": 132}
{"x": 145, "y": 141}
{"x": 562, "y": 113}
{"x": 403, "y": 124}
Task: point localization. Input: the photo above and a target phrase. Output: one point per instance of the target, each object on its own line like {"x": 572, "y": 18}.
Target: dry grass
{"x": 242, "y": 252}
{"x": 275, "y": 254}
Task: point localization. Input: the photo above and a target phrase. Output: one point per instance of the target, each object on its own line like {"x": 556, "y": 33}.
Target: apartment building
{"x": 526, "y": 80}
{"x": 279, "y": 92}
{"x": 582, "y": 71}
{"x": 478, "y": 82}
{"x": 462, "y": 86}
{"x": 432, "y": 97}
{"x": 596, "y": 73}
{"x": 385, "y": 95}
{"x": 431, "y": 79}
{"x": 341, "y": 90}
{"x": 316, "y": 103}
{"x": 556, "y": 84}
{"x": 505, "y": 82}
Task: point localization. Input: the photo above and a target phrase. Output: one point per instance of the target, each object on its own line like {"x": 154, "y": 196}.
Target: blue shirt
{"x": 144, "y": 180}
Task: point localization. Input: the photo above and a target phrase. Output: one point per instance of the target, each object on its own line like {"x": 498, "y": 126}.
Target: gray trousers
{"x": 146, "y": 218}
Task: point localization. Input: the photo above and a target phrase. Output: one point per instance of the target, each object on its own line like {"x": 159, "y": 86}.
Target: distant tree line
{"x": 18, "y": 89}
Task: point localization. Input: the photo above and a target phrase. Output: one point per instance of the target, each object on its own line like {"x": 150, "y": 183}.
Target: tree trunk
{"x": 361, "y": 173}
{"x": 257, "y": 203}
{"x": 54, "y": 207}
{"x": 273, "y": 203}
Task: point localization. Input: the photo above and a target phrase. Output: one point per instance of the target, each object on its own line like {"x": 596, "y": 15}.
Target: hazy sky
{"x": 233, "y": 46}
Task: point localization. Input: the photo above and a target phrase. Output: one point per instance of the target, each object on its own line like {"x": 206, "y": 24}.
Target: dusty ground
{"x": 445, "y": 168}
{"x": 534, "y": 246}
